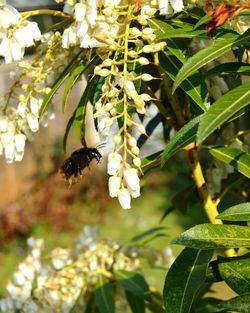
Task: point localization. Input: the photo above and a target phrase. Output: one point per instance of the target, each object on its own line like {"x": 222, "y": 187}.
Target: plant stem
{"x": 26, "y": 15}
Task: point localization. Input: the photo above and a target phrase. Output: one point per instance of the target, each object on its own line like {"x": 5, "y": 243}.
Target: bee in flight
{"x": 72, "y": 168}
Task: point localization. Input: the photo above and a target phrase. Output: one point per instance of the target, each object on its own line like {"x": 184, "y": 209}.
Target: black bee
{"x": 72, "y": 168}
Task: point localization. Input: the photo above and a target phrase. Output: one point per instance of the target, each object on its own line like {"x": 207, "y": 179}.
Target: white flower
{"x": 33, "y": 122}
{"x": 8, "y": 15}
{"x": 124, "y": 198}
{"x": 114, "y": 163}
{"x": 11, "y": 50}
{"x": 18, "y": 278}
{"x": 80, "y": 12}
{"x": 34, "y": 106}
{"x": 114, "y": 186}
{"x": 177, "y": 5}
{"x": 132, "y": 181}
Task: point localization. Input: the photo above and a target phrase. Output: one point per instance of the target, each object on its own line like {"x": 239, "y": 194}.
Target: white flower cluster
{"x": 39, "y": 288}
{"x": 16, "y": 33}
{"x": 19, "y": 108}
{"x": 120, "y": 96}
{"x": 97, "y": 21}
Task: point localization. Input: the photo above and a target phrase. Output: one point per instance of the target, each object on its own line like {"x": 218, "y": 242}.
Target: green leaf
{"x": 74, "y": 76}
{"x": 238, "y": 304}
{"x": 163, "y": 31}
{"x": 59, "y": 81}
{"x": 104, "y": 296}
{"x": 239, "y": 159}
{"x": 221, "y": 111}
{"x": 78, "y": 116}
{"x": 184, "y": 279}
{"x": 136, "y": 303}
{"x": 208, "y": 54}
{"x": 239, "y": 212}
{"x": 236, "y": 273}
{"x": 182, "y": 138}
{"x": 133, "y": 282}
{"x": 208, "y": 236}
{"x": 207, "y": 305}
{"x": 194, "y": 85}
{"x": 147, "y": 233}
{"x": 229, "y": 68}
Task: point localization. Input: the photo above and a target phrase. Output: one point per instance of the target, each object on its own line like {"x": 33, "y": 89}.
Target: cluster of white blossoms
{"x": 71, "y": 275}
{"x": 19, "y": 108}
{"x": 56, "y": 287}
{"x": 16, "y": 33}
{"x": 129, "y": 48}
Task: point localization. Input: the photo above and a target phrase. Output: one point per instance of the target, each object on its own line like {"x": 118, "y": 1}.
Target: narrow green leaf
{"x": 136, "y": 303}
{"x": 59, "y": 81}
{"x": 194, "y": 85}
{"x": 78, "y": 116}
{"x": 184, "y": 279}
{"x": 236, "y": 273}
{"x": 239, "y": 212}
{"x": 221, "y": 111}
{"x": 238, "y": 304}
{"x": 208, "y": 236}
{"x": 133, "y": 282}
{"x": 208, "y": 54}
{"x": 182, "y": 138}
{"x": 239, "y": 159}
{"x": 163, "y": 31}
{"x": 104, "y": 296}
{"x": 229, "y": 68}
{"x": 147, "y": 233}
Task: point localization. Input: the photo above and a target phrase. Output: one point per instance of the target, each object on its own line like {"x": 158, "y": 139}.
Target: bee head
{"x": 95, "y": 154}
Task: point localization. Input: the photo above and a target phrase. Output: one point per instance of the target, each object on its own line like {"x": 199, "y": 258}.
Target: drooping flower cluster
{"x": 16, "y": 33}
{"x": 19, "y": 108}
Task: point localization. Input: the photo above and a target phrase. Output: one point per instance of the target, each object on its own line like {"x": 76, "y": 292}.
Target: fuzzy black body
{"x": 73, "y": 166}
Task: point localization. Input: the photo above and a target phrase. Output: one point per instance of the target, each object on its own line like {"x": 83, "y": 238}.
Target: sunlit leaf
{"x": 239, "y": 159}
{"x": 236, "y": 273}
{"x": 208, "y": 236}
{"x": 222, "y": 110}
{"x": 239, "y": 212}
{"x": 229, "y": 68}
{"x": 184, "y": 279}
{"x": 182, "y": 138}
{"x": 208, "y": 54}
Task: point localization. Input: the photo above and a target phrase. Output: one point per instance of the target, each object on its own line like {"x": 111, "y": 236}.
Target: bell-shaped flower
{"x": 114, "y": 186}
{"x": 114, "y": 163}
{"x": 124, "y": 198}
{"x": 132, "y": 181}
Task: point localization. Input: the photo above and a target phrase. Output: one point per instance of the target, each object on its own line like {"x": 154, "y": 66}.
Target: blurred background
{"x": 36, "y": 201}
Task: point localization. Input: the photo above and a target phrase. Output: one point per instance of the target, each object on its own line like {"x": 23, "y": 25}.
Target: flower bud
{"x": 154, "y": 47}
{"x": 107, "y": 62}
{"x": 132, "y": 54}
{"x": 134, "y": 31}
{"x": 117, "y": 139}
{"x": 137, "y": 162}
{"x": 147, "y": 31}
{"x": 108, "y": 106}
{"x": 143, "y": 61}
{"x": 146, "y": 97}
{"x": 124, "y": 198}
{"x": 114, "y": 163}
{"x": 146, "y": 77}
{"x": 132, "y": 142}
{"x": 141, "y": 129}
{"x": 135, "y": 150}
{"x": 114, "y": 186}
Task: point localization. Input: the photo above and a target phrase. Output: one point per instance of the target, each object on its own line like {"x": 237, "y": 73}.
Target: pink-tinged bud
{"x": 124, "y": 198}
{"x": 132, "y": 181}
{"x": 114, "y": 163}
{"x": 114, "y": 186}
